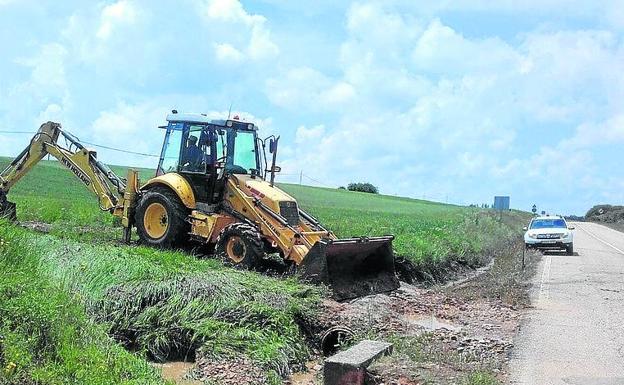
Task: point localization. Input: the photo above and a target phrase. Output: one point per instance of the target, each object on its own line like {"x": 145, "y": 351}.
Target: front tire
{"x": 160, "y": 218}
{"x": 570, "y": 249}
{"x": 240, "y": 244}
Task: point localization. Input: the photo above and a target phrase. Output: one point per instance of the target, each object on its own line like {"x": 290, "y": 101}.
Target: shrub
{"x": 363, "y": 187}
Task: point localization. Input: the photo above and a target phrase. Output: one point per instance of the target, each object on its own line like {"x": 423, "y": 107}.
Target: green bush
{"x": 363, "y": 187}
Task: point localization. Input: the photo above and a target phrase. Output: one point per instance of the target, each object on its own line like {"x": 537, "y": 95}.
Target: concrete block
{"x": 349, "y": 366}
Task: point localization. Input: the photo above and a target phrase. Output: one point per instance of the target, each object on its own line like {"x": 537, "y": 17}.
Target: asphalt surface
{"x": 575, "y": 333}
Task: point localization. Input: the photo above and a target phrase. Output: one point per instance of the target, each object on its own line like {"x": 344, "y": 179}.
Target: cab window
{"x": 171, "y": 152}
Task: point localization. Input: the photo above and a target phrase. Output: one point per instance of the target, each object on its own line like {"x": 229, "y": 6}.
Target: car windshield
{"x": 548, "y": 224}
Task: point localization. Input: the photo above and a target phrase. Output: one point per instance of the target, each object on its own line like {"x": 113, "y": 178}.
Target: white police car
{"x": 549, "y": 233}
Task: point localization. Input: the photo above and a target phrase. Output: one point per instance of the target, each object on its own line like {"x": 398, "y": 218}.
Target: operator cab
{"x": 203, "y": 151}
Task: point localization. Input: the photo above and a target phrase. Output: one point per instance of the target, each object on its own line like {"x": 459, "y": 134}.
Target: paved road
{"x": 575, "y": 334}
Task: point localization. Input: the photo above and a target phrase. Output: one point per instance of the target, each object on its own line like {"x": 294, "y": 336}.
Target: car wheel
{"x": 570, "y": 249}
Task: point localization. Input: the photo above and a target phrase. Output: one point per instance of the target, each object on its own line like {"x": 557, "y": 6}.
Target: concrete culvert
{"x": 334, "y": 338}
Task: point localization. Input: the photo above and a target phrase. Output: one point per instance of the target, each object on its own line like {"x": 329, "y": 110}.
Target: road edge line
{"x": 601, "y": 240}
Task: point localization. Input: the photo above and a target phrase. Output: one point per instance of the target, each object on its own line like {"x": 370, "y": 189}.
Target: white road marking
{"x": 601, "y": 240}
{"x": 545, "y": 291}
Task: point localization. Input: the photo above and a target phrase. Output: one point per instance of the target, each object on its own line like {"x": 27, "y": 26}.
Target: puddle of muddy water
{"x": 309, "y": 377}
{"x": 432, "y": 323}
{"x": 176, "y": 371}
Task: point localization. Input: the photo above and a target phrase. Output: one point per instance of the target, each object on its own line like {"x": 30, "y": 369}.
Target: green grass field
{"x": 426, "y": 232}
{"x": 70, "y": 288}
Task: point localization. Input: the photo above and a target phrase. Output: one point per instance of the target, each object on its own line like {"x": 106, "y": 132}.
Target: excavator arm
{"x": 96, "y": 176}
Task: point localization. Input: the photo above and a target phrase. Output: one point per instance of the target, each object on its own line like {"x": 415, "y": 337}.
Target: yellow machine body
{"x": 176, "y": 183}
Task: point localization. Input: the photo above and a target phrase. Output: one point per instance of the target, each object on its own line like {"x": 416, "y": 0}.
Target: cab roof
{"x": 202, "y": 118}
{"x": 191, "y": 118}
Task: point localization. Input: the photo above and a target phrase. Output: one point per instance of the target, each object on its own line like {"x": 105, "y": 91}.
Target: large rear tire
{"x": 160, "y": 219}
{"x": 240, "y": 244}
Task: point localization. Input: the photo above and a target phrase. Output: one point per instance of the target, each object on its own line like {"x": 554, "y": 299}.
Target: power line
{"x": 91, "y": 144}
{"x": 17, "y": 132}
{"x": 118, "y": 149}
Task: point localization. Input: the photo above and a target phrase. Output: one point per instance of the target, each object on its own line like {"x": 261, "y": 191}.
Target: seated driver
{"x": 192, "y": 154}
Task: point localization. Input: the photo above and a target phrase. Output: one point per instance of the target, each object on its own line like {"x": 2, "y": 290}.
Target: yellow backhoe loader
{"x": 214, "y": 185}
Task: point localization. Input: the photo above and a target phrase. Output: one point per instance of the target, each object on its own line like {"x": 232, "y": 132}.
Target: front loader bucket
{"x": 352, "y": 267}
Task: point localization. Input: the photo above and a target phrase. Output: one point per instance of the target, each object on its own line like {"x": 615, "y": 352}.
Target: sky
{"x": 453, "y": 101}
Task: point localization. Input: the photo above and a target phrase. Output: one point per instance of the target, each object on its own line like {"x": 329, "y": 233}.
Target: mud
{"x": 233, "y": 371}
{"x": 311, "y": 376}
{"x": 178, "y": 372}
{"x": 41, "y": 227}
{"x": 441, "y": 333}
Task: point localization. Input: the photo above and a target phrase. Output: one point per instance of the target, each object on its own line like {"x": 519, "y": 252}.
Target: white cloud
{"x": 308, "y": 88}
{"x": 440, "y": 49}
{"x": 306, "y": 135}
{"x": 231, "y": 11}
{"x": 52, "y": 112}
{"x": 228, "y": 54}
{"x": 408, "y": 96}
{"x": 462, "y": 103}
{"x": 118, "y": 13}
{"x": 337, "y": 94}
{"x": 593, "y": 135}
{"x": 48, "y": 66}
{"x": 259, "y": 45}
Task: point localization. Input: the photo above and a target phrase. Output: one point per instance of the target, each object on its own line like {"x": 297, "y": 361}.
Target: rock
{"x": 349, "y": 366}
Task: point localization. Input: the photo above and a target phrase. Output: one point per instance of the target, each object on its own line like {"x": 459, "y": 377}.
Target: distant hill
{"x": 607, "y": 214}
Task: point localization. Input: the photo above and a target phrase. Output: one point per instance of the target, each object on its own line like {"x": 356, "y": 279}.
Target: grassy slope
{"x": 46, "y": 336}
{"x": 426, "y": 232}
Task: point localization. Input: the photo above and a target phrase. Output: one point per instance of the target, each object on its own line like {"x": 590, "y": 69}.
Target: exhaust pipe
{"x": 353, "y": 267}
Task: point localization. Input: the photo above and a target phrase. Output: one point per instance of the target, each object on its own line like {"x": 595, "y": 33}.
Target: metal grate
{"x": 290, "y": 212}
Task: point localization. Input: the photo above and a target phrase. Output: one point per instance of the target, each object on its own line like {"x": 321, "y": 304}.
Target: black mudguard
{"x": 7, "y": 209}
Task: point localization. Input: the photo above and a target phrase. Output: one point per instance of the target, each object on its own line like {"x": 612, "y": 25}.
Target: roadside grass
{"x": 480, "y": 378}
{"x": 508, "y": 280}
{"x": 433, "y": 237}
{"x": 170, "y": 305}
{"x": 45, "y": 335}
{"x": 426, "y": 358}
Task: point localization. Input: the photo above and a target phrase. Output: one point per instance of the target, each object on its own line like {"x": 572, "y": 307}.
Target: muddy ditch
{"x": 442, "y": 333}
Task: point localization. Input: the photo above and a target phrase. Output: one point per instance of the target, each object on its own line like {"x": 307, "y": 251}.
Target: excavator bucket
{"x": 352, "y": 267}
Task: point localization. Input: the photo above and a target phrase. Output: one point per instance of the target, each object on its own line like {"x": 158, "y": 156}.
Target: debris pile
{"x": 234, "y": 371}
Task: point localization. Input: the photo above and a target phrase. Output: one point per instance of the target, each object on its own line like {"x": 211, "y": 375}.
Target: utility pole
{"x": 300, "y": 177}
